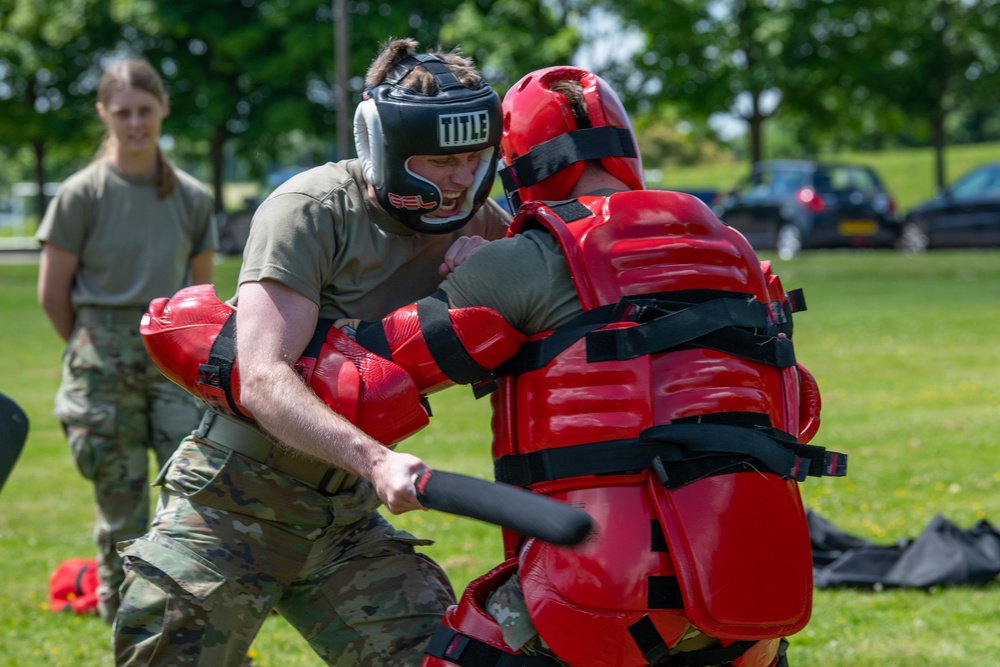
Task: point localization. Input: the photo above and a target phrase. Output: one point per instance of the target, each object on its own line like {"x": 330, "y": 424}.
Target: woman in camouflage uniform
{"x": 124, "y": 230}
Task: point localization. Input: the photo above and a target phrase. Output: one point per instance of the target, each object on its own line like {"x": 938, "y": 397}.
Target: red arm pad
{"x": 440, "y": 346}
{"x": 373, "y": 393}
{"x": 179, "y": 334}
{"x": 185, "y": 338}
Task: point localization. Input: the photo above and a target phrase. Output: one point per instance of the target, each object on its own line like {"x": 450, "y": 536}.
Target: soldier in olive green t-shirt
{"x": 281, "y": 512}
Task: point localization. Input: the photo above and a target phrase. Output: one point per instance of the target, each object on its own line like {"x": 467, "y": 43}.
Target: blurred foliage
{"x": 253, "y": 82}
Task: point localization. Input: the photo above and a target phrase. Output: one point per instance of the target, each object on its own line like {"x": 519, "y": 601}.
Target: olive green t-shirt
{"x": 133, "y": 246}
{"x": 525, "y": 278}
{"x": 322, "y": 235}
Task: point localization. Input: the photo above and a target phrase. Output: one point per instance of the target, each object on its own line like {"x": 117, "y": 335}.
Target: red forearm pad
{"x": 179, "y": 333}
{"x": 368, "y": 390}
{"x": 373, "y": 393}
{"x": 810, "y": 404}
{"x": 439, "y": 346}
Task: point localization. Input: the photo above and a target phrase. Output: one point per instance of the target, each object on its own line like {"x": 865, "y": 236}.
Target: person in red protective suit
{"x": 658, "y": 391}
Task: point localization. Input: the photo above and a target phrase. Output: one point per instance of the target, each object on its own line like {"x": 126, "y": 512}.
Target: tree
{"x": 722, "y": 56}
{"x": 901, "y": 67}
{"x": 509, "y": 39}
{"x": 254, "y": 71}
{"x": 48, "y": 75}
{"x": 245, "y": 77}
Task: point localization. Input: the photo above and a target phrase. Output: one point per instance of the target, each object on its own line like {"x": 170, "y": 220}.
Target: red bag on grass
{"x": 73, "y": 586}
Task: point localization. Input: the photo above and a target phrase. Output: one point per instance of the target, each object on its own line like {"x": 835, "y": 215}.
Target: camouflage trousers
{"x": 115, "y": 406}
{"x": 233, "y": 539}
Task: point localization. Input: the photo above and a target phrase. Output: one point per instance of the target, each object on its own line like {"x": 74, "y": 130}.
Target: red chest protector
{"x": 674, "y": 413}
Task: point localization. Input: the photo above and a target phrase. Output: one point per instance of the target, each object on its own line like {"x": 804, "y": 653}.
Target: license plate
{"x": 857, "y": 228}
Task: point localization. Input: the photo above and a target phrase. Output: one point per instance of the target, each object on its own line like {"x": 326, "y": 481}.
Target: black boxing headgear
{"x": 394, "y": 123}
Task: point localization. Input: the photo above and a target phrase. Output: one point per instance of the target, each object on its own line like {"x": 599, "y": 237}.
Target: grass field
{"x": 906, "y": 355}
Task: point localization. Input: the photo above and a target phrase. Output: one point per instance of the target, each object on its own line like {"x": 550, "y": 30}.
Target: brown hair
{"x": 419, "y": 80}
{"x": 572, "y": 90}
{"x": 139, "y": 74}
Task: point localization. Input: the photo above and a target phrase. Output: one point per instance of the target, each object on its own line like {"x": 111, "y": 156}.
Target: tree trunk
{"x": 755, "y": 123}
{"x": 40, "y": 201}
{"x": 937, "y": 134}
{"x": 756, "y": 139}
{"x": 217, "y": 155}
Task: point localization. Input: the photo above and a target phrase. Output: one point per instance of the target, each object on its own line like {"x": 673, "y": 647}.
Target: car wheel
{"x": 913, "y": 238}
{"x": 788, "y": 241}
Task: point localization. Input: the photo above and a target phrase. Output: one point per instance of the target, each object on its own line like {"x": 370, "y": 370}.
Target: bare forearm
{"x": 201, "y": 267}
{"x": 60, "y": 313}
{"x": 295, "y": 416}
{"x": 56, "y": 273}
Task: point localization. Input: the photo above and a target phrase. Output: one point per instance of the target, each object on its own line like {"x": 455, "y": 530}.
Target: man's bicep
{"x": 274, "y": 323}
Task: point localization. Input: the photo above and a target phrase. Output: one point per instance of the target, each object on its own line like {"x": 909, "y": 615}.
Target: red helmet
{"x": 542, "y": 147}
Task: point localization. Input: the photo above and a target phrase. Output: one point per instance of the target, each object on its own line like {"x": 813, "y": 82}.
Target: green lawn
{"x": 906, "y": 355}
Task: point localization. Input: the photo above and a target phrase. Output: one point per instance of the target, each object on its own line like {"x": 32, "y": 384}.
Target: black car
{"x": 965, "y": 215}
{"x": 788, "y": 205}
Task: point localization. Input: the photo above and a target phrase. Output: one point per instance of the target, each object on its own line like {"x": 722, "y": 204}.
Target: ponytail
{"x": 166, "y": 177}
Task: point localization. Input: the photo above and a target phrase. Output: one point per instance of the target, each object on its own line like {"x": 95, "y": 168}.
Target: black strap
{"x": 318, "y": 338}
{"x": 657, "y": 653}
{"x": 733, "y": 323}
{"x": 570, "y": 210}
{"x": 668, "y": 445}
{"x": 708, "y": 657}
{"x": 439, "y": 335}
{"x": 438, "y": 68}
{"x": 648, "y": 639}
{"x": 217, "y": 371}
{"x": 657, "y": 540}
{"x": 663, "y": 593}
{"x": 371, "y": 336}
{"x": 693, "y": 323}
{"x": 539, "y": 353}
{"x": 796, "y": 299}
{"x": 465, "y": 651}
{"x": 547, "y": 158}
{"x": 80, "y": 574}
{"x": 444, "y": 344}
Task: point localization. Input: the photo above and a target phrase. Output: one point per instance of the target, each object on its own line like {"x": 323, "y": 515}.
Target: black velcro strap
{"x": 657, "y": 653}
{"x": 570, "y": 210}
{"x": 657, "y": 540}
{"x": 556, "y": 154}
{"x": 796, "y": 300}
{"x": 708, "y": 657}
{"x": 648, "y": 639}
{"x": 539, "y": 353}
{"x": 439, "y": 69}
{"x": 736, "y": 325}
{"x": 693, "y": 323}
{"x": 371, "y": 336}
{"x": 664, "y": 593}
{"x": 673, "y": 444}
{"x": 318, "y": 338}
{"x": 444, "y": 344}
{"x": 217, "y": 371}
{"x": 459, "y": 649}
